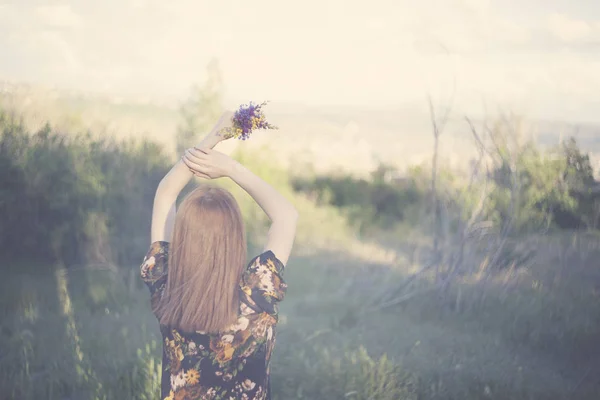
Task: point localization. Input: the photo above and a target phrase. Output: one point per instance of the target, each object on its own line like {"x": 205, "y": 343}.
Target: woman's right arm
{"x": 280, "y": 211}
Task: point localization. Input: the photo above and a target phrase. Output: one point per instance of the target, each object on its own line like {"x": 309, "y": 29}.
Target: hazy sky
{"x": 538, "y": 57}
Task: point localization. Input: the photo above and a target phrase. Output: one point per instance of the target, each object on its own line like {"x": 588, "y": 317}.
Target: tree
{"x": 579, "y": 173}
{"x": 578, "y": 177}
{"x": 202, "y": 108}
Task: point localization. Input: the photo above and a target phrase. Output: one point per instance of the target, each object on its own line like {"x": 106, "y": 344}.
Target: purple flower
{"x": 246, "y": 119}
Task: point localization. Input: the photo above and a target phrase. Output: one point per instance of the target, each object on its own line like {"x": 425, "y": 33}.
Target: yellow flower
{"x": 176, "y": 349}
{"x": 247, "y": 290}
{"x": 170, "y": 396}
{"x": 177, "y": 336}
{"x": 271, "y": 265}
{"x": 175, "y": 354}
{"x": 193, "y": 377}
{"x": 228, "y": 352}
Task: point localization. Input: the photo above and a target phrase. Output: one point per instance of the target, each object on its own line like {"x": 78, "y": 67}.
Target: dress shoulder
{"x": 154, "y": 267}
{"x": 262, "y": 283}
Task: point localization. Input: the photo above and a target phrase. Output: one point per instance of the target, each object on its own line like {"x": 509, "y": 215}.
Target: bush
{"x": 75, "y": 198}
{"x": 367, "y": 203}
{"x": 554, "y": 188}
{"x": 535, "y": 190}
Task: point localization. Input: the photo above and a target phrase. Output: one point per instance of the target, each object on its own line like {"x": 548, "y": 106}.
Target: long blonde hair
{"x": 206, "y": 259}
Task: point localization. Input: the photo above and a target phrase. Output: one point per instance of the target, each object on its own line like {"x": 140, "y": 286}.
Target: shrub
{"x": 367, "y": 203}
{"x": 75, "y": 198}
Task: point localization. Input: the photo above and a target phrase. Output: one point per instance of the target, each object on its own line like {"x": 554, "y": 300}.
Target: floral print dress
{"x": 235, "y": 363}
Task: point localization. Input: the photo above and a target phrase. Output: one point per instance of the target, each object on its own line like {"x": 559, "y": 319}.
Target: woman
{"x": 217, "y": 314}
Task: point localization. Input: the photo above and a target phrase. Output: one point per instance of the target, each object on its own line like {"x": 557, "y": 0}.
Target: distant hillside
{"x": 348, "y": 139}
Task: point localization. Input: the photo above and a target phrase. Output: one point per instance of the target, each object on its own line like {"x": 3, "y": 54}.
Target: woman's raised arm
{"x": 163, "y": 210}
{"x": 281, "y": 212}
{"x": 213, "y": 164}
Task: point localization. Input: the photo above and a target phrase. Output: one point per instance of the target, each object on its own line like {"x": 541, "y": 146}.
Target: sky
{"x": 539, "y": 58}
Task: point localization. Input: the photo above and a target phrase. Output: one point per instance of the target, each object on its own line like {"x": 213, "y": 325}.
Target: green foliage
{"x": 527, "y": 188}
{"x": 83, "y": 199}
{"x": 201, "y": 110}
{"x": 131, "y": 172}
{"x": 549, "y": 189}
{"x": 60, "y": 341}
{"x": 578, "y": 173}
{"x": 578, "y": 176}
{"x": 367, "y": 203}
{"x": 320, "y": 373}
{"x": 98, "y": 339}
{"x": 75, "y": 198}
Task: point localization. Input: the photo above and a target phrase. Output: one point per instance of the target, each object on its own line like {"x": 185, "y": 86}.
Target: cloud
{"x": 9, "y": 17}
{"x": 316, "y": 51}
{"x": 37, "y": 41}
{"x": 572, "y": 30}
{"x": 468, "y": 27}
{"x": 65, "y": 57}
{"x": 57, "y": 16}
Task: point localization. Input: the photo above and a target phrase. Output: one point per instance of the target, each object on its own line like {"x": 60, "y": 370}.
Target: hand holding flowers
{"x": 245, "y": 120}
{"x": 204, "y": 162}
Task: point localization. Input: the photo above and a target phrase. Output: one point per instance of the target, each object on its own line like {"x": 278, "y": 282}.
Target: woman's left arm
{"x": 164, "y": 207}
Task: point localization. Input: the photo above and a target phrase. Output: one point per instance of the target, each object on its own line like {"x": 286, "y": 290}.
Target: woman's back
{"x": 234, "y": 363}
{"x": 197, "y": 280}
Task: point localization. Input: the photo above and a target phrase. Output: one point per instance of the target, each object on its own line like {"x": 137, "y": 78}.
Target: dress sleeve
{"x": 262, "y": 283}
{"x": 154, "y": 267}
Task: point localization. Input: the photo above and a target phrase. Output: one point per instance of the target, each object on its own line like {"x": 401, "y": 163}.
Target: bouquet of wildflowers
{"x": 246, "y": 119}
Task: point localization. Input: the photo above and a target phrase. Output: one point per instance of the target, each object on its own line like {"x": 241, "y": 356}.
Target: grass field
{"x": 89, "y": 334}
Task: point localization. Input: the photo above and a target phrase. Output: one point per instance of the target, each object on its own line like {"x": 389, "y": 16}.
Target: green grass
{"x": 88, "y": 333}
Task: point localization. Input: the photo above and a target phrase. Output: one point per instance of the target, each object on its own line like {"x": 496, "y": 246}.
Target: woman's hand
{"x": 224, "y": 121}
{"x": 207, "y": 163}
